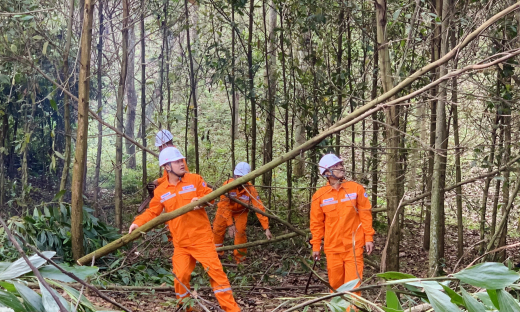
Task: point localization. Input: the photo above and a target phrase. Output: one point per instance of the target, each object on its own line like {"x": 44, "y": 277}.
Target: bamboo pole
{"x": 258, "y": 242}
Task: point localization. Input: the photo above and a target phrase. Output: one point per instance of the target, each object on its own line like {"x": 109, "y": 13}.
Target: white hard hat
{"x": 169, "y": 154}
{"x": 242, "y": 169}
{"x": 162, "y": 137}
{"x": 328, "y": 161}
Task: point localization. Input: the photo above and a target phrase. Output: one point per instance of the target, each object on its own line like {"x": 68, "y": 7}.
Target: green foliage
{"x": 50, "y": 230}
{"x": 14, "y": 294}
{"x": 494, "y": 277}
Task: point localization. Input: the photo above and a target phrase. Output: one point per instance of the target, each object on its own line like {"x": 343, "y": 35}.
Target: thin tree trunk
{"x": 375, "y": 134}
{"x": 99, "y": 109}
{"x": 82, "y": 134}
{"x": 119, "y": 121}
{"x": 193, "y": 87}
{"x": 351, "y": 94}
{"x": 439, "y": 167}
{"x": 233, "y": 98}
{"x": 131, "y": 96}
{"x": 161, "y": 70}
{"x": 143, "y": 98}
{"x": 287, "y": 122}
{"x": 458, "y": 151}
{"x": 66, "y": 101}
{"x": 252, "y": 94}
{"x": 270, "y": 64}
{"x": 339, "y": 80}
{"x": 392, "y": 136}
{"x": 436, "y": 45}
{"x": 5, "y": 136}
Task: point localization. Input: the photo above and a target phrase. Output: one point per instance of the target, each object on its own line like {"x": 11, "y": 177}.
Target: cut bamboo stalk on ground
{"x": 258, "y": 243}
{"x": 270, "y": 216}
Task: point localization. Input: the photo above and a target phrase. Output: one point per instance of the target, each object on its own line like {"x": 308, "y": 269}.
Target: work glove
{"x": 150, "y": 187}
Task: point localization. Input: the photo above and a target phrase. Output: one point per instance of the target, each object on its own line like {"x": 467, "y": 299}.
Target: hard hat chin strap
{"x": 178, "y": 176}
{"x": 334, "y": 176}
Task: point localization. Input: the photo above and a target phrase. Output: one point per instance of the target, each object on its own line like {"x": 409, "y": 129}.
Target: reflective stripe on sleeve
{"x": 222, "y": 290}
{"x": 182, "y": 295}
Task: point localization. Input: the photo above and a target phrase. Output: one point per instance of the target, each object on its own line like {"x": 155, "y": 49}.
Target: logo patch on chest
{"x": 328, "y": 201}
{"x": 244, "y": 197}
{"x": 187, "y": 189}
{"x": 165, "y": 195}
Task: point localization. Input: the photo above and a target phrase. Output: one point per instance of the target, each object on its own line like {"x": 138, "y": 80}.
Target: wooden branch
{"x": 454, "y": 186}
{"x": 258, "y": 243}
{"x": 91, "y": 112}
{"x": 77, "y": 279}
{"x": 270, "y": 216}
{"x": 172, "y": 288}
{"x": 33, "y": 268}
{"x": 451, "y": 54}
{"x": 355, "y": 116}
{"x": 304, "y": 262}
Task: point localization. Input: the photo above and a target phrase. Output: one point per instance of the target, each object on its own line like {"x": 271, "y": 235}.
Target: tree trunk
{"x": 131, "y": 97}
{"x": 458, "y": 151}
{"x": 392, "y": 136}
{"x": 66, "y": 101}
{"x": 436, "y": 254}
{"x": 82, "y": 134}
{"x": 339, "y": 80}
{"x": 234, "y": 107}
{"x": 143, "y": 98}
{"x": 252, "y": 94}
{"x": 436, "y": 45}
{"x": 270, "y": 65}
{"x": 119, "y": 121}
{"x": 375, "y": 133}
{"x": 193, "y": 89}
{"x": 99, "y": 109}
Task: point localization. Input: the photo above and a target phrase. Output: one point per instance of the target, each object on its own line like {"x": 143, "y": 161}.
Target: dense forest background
{"x": 418, "y": 97}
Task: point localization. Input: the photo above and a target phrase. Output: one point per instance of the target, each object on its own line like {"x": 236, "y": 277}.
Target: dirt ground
{"x": 287, "y": 284}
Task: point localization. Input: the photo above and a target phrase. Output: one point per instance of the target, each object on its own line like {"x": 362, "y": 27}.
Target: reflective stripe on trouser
{"x": 184, "y": 260}
{"x": 219, "y": 230}
{"x": 341, "y": 268}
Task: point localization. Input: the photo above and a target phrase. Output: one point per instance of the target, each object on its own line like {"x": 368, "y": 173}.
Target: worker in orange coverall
{"x": 191, "y": 232}
{"x": 341, "y": 212}
{"x": 228, "y": 211}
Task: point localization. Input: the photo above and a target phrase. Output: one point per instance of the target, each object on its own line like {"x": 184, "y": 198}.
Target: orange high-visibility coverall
{"x": 228, "y": 210}
{"x": 344, "y": 217}
{"x": 192, "y": 237}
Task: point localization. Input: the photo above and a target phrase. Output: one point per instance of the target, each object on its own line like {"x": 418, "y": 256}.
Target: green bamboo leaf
{"x": 390, "y": 276}
{"x": 392, "y": 301}
{"x": 507, "y": 302}
{"x": 488, "y": 275}
{"x": 471, "y": 303}
{"x": 11, "y": 301}
{"x": 20, "y": 267}
{"x": 455, "y": 298}
{"x": 348, "y": 285}
{"x": 49, "y": 303}
{"x": 30, "y": 297}
{"x": 439, "y": 300}
{"x": 82, "y": 272}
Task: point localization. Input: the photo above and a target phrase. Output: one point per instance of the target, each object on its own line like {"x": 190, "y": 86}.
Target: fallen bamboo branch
{"x": 116, "y": 288}
{"x": 270, "y": 216}
{"x": 258, "y": 243}
{"x": 345, "y": 122}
